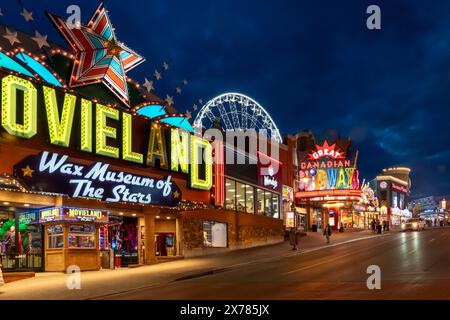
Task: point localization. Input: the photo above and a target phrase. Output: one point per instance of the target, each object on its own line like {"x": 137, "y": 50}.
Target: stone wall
{"x": 244, "y": 230}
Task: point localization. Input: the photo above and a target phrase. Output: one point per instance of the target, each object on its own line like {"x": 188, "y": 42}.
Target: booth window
{"x": 82, "y": 236}
{"x": 230, "y": 194}
{"x": 55, "y": 239}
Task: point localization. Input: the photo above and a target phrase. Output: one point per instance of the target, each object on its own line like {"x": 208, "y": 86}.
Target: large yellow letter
{"x": 10, "y": 85}
{"x": 201, "y": 146}
{"x": 103, "y": 131}
{"x": 157, "y": 148}
{"x": 179, "y": 150}
{"x": 127, "y": 140}
{"x": 86, "y": 125}
{"x": 59, "y": 129}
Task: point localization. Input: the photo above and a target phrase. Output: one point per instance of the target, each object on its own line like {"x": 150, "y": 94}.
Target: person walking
{"x": 327, "y": 232}
{"x": 373, "y": 225}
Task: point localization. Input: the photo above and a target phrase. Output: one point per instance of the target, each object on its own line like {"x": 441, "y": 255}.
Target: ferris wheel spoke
{"x": 234, "y": 114}
{"x": 224, "y": 115}
{"x": 210, "y": 115}
{"x": 244, "y": 117}
{"x": 254, "y": 117}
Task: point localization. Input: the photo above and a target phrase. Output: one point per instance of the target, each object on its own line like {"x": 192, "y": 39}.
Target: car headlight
{"x": 403, "y": 226}
{"x": 415, "y": 225}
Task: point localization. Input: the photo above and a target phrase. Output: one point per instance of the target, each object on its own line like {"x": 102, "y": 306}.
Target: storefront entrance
{"x": 21, "y": 239}
{"x": 123, "y": 238}
{"x": 164, "y": 244}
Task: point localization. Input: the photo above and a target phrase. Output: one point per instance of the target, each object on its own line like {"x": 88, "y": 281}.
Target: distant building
{"x": 393, "y": 190}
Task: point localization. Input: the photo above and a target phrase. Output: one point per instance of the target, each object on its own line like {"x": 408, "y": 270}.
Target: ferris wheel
{"x": 235, "y": 111}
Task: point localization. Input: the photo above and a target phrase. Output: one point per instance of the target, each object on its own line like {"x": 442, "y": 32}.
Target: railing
{"x": 25, "y": 262}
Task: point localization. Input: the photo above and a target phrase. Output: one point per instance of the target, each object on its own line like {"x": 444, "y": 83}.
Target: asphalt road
{"x": 414, "y": 265}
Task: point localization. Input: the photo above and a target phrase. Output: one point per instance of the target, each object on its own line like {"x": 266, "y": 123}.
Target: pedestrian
{"x": 384, "y": 225}
{"x": 373, "y": 225}
{"x": 293, "y": 239}
{"x": 387, "y": 225}
{"x": 327, "y": 232}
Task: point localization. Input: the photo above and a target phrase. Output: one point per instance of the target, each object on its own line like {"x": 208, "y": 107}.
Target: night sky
{"x": 311, "y": 64}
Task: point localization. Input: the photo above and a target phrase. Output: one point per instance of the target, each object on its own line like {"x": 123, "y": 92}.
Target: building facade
{"x": 393, "y": 190}
{"x": 94, "y": 178}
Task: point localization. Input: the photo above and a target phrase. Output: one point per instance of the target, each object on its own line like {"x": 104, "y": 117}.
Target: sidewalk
{"x": 106, "y": 282}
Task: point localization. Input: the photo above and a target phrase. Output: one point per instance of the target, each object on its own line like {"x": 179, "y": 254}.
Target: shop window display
{"x": 249, "y": 199}
{"x": 20, "y": 241}
{"x": 240, "y": 196}
{"x": 123, "y": 237}
{"x": 260, "y": 201}
{"x": 230, "y": 194}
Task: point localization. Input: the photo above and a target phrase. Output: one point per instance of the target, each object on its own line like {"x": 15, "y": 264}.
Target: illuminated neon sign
{"x": 326, "y": 151}
{"x": 101, "y": 129}
{"x": 327, "y": 168}
{"x": 73, "y": 214}
{"x": 54, "y": 173}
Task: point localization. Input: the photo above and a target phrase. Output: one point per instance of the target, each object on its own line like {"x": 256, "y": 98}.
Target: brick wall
{"x": 244, "y": 230}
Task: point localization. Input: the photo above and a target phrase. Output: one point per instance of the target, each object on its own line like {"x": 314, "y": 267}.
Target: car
{"x": 413, "y": 224}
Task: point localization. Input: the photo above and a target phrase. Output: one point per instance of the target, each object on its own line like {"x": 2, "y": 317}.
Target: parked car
{"x": 414, "y": 224}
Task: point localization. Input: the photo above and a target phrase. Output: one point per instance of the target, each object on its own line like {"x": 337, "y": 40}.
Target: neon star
{"x": 99, "y": 57}
{"x": 27, "y": 172}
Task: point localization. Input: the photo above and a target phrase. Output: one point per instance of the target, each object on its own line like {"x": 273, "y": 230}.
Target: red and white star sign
{"x": 99, "y": 57}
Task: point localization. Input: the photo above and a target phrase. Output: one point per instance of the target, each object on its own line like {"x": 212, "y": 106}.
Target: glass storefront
{"x": 123, "y": 238}
{"x": 244, "y": 197}
{"x": 20, "y": 240}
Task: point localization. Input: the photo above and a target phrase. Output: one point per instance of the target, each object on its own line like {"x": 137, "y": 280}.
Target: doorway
{"x": 164, "y": 243}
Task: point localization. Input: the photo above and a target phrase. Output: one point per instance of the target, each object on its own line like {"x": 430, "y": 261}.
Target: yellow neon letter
{"x": 10, "y": 85}
{"x": 179, "y": 150}
{"x": 127, "y": 140}
{"x": 59, "y": 129}
{"x": 199, "y": 144}
{"x": 103, "y": 131}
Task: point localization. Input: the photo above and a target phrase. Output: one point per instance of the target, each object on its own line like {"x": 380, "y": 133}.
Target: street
{"x": 414, "y": 265}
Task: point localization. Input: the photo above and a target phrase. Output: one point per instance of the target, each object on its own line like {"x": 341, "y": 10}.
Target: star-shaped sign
{"x": 178, "y": 89}
{"x": 11, "y": 36}
{"x": 200, "y": 101}
{"x": 27, "y": 15}
{"x": 148, "y": 85}
{"x": 99, "y": 57}
{"x": 165, "y": 66}
{"x": 169, "y": 100}
{"x": 157, "y": 75}
{"x": 188, "y": 115}
{"x": 194, "y": 107}
{"x": 185, "y": 82}
{"x": 27, "y": 172}
{"x": 40, "y": 39}
{"x": 176, "y": 194}
{"x": 1, "y": 13}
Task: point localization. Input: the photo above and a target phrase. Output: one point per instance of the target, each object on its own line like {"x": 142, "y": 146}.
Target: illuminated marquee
{"x": 73, "y": 214}
{"x": 113, "y": 129}
{"x": 327, "y": 168}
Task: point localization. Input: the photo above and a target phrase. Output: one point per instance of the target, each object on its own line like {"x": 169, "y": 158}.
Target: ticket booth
{"x": 71, "y": 237}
